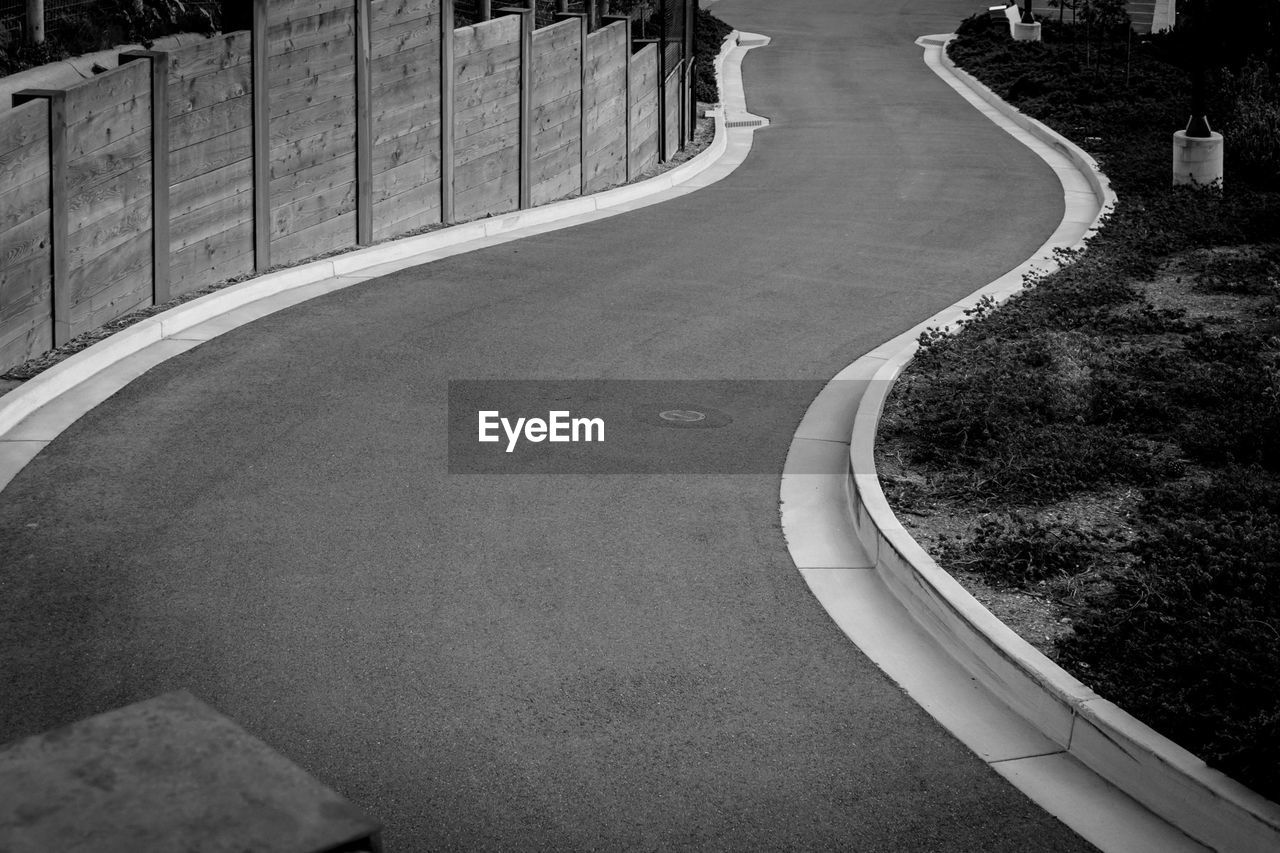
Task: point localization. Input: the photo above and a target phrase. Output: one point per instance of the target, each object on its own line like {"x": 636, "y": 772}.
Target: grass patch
{"x": 1143, "y": 378}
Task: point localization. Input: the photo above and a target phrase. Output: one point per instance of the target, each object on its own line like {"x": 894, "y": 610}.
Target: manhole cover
{"x": 691, "y": 416}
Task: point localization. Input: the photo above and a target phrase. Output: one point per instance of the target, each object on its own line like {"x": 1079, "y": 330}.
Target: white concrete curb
{"x": 1079, "y": 736}
{"x": 34, "y": 413}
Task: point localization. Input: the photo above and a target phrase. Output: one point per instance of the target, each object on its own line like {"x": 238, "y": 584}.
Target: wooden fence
{"x": 332, "y": 123}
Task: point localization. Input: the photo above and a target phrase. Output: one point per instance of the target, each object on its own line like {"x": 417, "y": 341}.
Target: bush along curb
{"x": 1177, "y": 786}
{"x": 33, "y": 414}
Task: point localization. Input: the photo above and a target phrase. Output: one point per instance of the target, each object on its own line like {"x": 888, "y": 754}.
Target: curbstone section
{"x": 1170, "y": 799}
{"x": 33, "y": 414}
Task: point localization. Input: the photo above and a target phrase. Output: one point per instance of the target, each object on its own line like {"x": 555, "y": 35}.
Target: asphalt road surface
{"x": 557, "y": 659}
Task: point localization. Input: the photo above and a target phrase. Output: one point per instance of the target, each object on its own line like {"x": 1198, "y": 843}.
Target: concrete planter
{"x": 1197, "y": 160}
{"x": 1026, "y": 32}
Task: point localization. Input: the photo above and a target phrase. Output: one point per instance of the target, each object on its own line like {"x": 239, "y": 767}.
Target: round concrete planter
{"x": 1197, "y": 160}
{"x": 1026, "y": 32}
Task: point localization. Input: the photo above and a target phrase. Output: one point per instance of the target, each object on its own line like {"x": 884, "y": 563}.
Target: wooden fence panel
{"x": 556, "y": 111}
{"x": 26, "y": 258}
{"x": 108, "y": 139}
{"x": 644, "y": 109}
{"x": 210, "y": 161}
{"x": 312, "y": 110}
{"x": 486, "y": 128}
{"x": 405, "y": 86}
{"x": 605, "y": 101}
{"x": 673, "y": 112}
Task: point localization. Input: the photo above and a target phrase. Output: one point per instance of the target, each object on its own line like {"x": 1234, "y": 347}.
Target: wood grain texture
{"x": 644, "y": 109}
{"x": 671, "y": 125}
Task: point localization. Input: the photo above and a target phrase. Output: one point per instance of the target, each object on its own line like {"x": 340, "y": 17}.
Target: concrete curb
{"x": 1083, "y": 737}
{"x": 33, "y": 414}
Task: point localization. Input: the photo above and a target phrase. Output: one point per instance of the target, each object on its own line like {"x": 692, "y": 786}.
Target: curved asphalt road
{"x": 533, "y": 661}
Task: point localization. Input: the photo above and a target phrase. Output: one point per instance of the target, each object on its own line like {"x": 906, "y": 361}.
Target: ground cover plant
{"x": 1099, "y": 459}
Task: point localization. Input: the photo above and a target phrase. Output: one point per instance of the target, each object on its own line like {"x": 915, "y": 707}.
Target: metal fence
{"x": 58, "y": 13}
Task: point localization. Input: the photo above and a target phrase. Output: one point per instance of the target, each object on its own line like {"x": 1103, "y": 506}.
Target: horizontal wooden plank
{"x": 335, "y": 233}
{"x": 545, "y": 116}
{"x": 503, "y": 30}
{"x": 212, "y": 186}
{"x": 496, "y": 93}
{"x": 200, "y": 125}
{"x": 24, "y": 126}
{"x": 404, "y": 35}
{"x": 604, "y": 138}
{"x": 193, "y": 160}
{"x": 422, "y": 200}
{"x": 129, "y": 258}
{"x": 604, "y": 116}
{"x": 301, "y": 124}
{"x": 382, "y": 12}
{"x": 307, "y": 211}
{"x": 285, "y": 69}
{"x": 311, "y": 92}
{"x": 104, "y": 236}
{"x": 219, "y": 257}
{"x": 480, "y": 170}
{"x": 607, "y": 166}
{"x": 291, "y": 10}
{"x": 20, "y": 202}
{"x": 108, "y": 197}
{"x": 486, "y": 63}
{"x": 557, "y": 36}
{"x": 26, "y": 337}
{"x": 209, "y": 90}
{"x": 423, "y": 59}
{"x": 102, "y": 127}
{"x": 408, "y": 147}
{"x": 409, "y": 109}
{"x": 116, "y": 158}
{"x": 25, "y": 164}
{"x": 319, "y": 177}
{"x": 332, "y": 144}
{"x": 556, "y": 142}
{"x": 130, "y": 291}
{"x": 486, "y": 141}
{"x": 396, "y": 92}
{"x": 217, "y": 53}
{"x": 25, "y": 240}
{"x": 23, "y": 286}
{"x": 561, "y": 184}
{"x": 284, "y": 36}
{"x": 406, "y": 177}
{"x": 205, "y": 223}
{"x": 474, "y": 119}
{"x": 500, "y": 195}
{"x": 387, "y": 227}
{"x": 106, "y": 90}
{"x": 390, "y": 125}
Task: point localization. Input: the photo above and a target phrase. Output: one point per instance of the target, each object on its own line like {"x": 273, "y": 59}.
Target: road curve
{"x": 551, "y": 660}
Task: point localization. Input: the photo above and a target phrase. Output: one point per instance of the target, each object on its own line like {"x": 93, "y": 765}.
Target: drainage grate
{"x": 755, "y": 122}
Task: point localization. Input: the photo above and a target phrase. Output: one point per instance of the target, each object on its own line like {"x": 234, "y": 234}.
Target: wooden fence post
{"x": 626, "y": 65}
{"x": 261, "y": 140}
{"x": 446, "y": 108}
{"x": 159, "y": 169}
{"x": 526, "y": 99}
{"x": 59, "y": 207}
{"x": 364, "y": 126}
{"x": 486, "y": 10}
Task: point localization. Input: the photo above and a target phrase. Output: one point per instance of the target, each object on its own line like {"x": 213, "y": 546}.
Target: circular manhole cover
{"x": 684, "y": 417}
